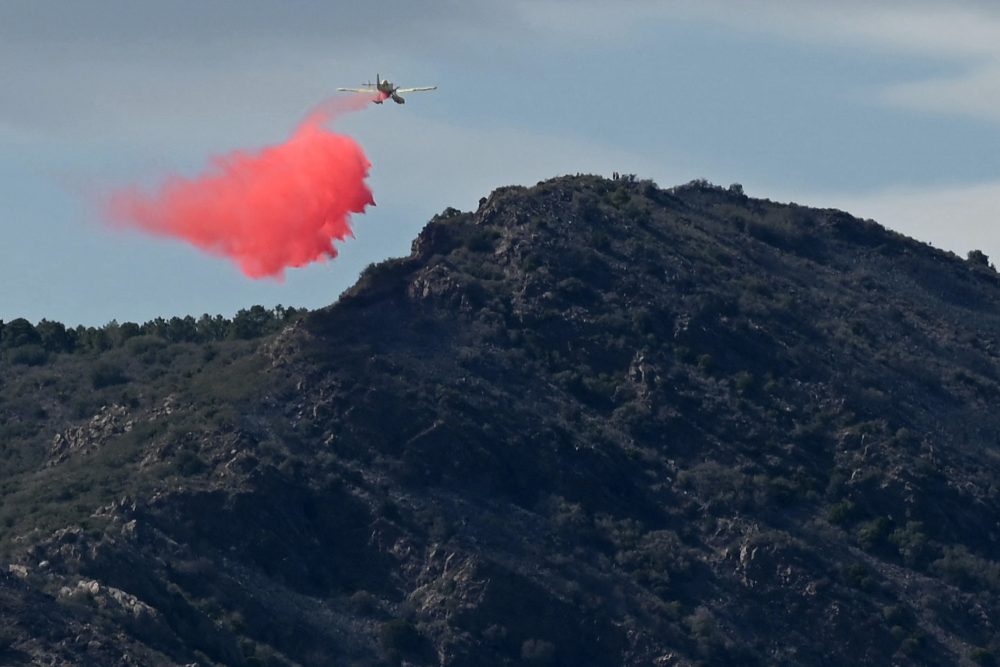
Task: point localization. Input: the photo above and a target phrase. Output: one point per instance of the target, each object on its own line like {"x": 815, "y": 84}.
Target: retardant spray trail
{"x": 267, "y": 210}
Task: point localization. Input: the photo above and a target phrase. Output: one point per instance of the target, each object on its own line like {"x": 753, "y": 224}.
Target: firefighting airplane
{"x": 384, "y": 89}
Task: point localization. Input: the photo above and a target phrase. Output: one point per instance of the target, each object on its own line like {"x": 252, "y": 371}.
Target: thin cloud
{"x": 963, "y": 35}
{"x": 974, "y": 93}
{"x": 75, "y": 67}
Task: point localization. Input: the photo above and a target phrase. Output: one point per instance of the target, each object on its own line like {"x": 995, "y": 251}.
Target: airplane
{"x": 385, "y": 89}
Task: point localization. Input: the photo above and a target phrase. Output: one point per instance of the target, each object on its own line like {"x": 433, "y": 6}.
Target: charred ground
{"x": 594, "y": 422}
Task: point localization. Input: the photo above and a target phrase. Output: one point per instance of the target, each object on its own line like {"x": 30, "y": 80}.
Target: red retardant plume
{"x": 268, "y": 210}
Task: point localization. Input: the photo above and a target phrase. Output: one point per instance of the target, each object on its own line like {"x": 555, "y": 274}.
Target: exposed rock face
{"x": 111, "y": 421}
{"x": 592, "y": 423}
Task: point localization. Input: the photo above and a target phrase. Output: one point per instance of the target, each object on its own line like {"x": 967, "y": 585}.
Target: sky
{"x": 887, "y": 109}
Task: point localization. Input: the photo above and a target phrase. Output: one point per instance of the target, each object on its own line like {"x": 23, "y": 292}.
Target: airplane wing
{"x": 357, "y": 90}
{"x": 415, "y": 90}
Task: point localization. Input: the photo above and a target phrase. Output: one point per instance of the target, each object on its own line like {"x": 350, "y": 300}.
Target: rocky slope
{"x": 591, "y": 423}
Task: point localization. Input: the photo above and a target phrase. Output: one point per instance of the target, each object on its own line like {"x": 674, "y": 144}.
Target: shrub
{"x": 897, "y": 615}
{"x": 400, "y": 636}
{"x": 705, "y": 363}
{"x": 538, "y": 651}
{"x": 873, "y": 534}
{"x": 859, "y": 576}
{"x": 107, "y": 375}
{"x": 7, "y": 639}
{"x": 717, "y": 485}
{"x": 28, "y": 355}
{"x": 911, "y": 542}
{"x": 701, "y": 623}
{"x": 189, "y": 463}
{"x": 364, "y": 603}
{"x": 912, "y": 644}
{"x": 983, "y": 656}
{"x": 144, "y": 345}
{"x": 480, "y": 241}
{"x": 842, "y": 512}
{"x": 967, "y": 570}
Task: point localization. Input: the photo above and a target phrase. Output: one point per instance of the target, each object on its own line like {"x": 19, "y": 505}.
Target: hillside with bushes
{"x": 593, "y": 422}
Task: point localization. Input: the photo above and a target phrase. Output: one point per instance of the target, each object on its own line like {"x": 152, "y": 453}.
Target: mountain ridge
{"x": 592, "y": 422}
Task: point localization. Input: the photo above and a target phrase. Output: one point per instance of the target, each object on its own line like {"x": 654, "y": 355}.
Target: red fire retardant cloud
{"x": 268, "y": 210}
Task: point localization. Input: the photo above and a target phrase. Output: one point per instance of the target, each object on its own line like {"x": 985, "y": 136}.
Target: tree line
{"x": 53, "y": 336}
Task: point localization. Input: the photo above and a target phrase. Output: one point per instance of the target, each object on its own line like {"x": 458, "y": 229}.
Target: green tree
{"x": 92, "y": 339}
{"x": 212, "y": 328}
{"x": 128, "y": 330}
{"x": 250, "y": 323}
{"x": 54, "y": 337}
{"x": 20, "y": 332}
{"x": 155, "y": 327}
{"x": 182, "y": 329}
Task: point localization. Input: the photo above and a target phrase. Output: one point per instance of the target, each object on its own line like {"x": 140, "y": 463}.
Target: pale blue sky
{"x": 887, "y": 109}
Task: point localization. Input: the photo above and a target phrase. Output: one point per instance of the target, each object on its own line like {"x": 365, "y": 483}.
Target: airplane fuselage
{"x": 386, "y": 90}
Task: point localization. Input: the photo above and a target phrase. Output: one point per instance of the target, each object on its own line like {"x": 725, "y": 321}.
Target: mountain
{"x": 594, "y": 422}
